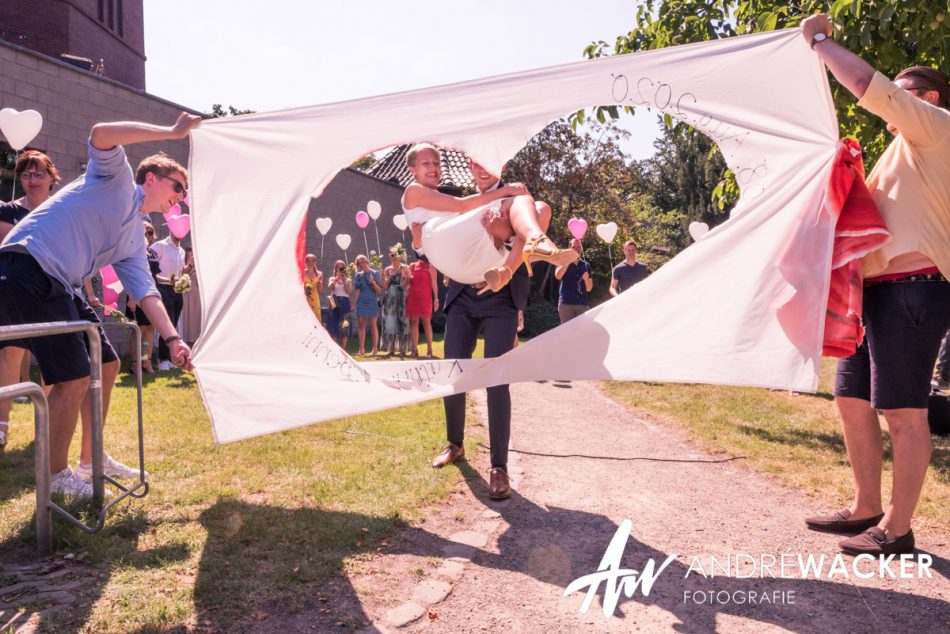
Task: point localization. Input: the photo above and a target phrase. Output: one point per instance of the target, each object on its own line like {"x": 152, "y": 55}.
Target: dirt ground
{"x": 581, "y": 464}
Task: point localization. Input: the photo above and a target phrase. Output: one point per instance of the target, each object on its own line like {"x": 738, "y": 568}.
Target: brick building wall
{"x": 347, "y": 194}
{"x": 71, "y": 101}
{"x": 110, "y": 30}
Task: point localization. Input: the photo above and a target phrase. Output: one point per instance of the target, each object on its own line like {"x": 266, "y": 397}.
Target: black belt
{"x": 479, "y": 286}
{"x": 920, "y": 277}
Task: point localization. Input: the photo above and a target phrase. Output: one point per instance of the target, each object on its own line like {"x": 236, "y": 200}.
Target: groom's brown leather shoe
{"x": 450, "y": 454}
{"x": 841, "y": 522}
{"x": 498, "y": 486}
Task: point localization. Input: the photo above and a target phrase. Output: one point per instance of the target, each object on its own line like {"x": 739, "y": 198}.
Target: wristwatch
{"x": 819, "y": 37}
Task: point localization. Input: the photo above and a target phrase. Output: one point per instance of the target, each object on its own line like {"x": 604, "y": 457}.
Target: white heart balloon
{"x": 343, "y": 241}
{"x": 323, "y": 225}
{"x": 400, "y": 221}
{"x": 20, "y": 128}
{"x": 698, "y": 229}
{"x": 374, "y": 209}
{"x": 607, "y": 231}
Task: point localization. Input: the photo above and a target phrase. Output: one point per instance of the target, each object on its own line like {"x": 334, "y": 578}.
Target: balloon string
{"x": 379, "y": 251}
{"x": 365, "y": 243}
{"x": 322, "y": 236}
{"x": 13, "y": 183}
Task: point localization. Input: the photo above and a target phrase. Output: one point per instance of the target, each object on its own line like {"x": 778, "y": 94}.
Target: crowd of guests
{"x": 390, "y": 305}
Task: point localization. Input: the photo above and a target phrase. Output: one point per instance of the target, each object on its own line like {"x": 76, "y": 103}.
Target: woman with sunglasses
{"x": 340, "y": 289}
{"x": 135, "y": 313}
{"x": 37, "y": 175}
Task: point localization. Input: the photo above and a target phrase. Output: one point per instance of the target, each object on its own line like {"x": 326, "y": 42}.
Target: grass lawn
{"x": 232, "y": 529}
{"x": 795, "y": 437}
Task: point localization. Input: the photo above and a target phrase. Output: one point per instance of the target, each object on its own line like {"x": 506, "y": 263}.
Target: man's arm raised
{"x": 850, "y": 70}
{"x": 106, "y": 136}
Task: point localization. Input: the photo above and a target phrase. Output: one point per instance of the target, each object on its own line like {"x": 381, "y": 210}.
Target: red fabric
{"x": 301, "y": 250}
{"x": 419, "y": 301}
{"x": 859, "y": 230}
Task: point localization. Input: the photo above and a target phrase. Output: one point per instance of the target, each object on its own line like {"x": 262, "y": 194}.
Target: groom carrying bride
{"x": 496, "y": 314}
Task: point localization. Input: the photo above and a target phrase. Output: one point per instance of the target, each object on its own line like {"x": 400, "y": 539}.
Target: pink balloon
{"x": 109, "y": 296}
{"x": 109, "y": 276}
{"x": 362, "y": 219}
{"x": 174, "y": 210}
{"x": 179, "y": 225}
{"x": 577, "y": 227}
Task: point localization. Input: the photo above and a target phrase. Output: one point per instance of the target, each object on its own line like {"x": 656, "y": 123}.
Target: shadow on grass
{"x": 796, "y": 438}
{"x": 116, "y": 548}
{"x": 266, "y": 568}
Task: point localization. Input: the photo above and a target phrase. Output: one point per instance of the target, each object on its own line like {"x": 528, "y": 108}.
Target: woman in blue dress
{"x": 368, "y": 283}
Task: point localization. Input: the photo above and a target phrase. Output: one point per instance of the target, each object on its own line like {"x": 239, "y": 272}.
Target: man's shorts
{"x": 905, "y": 322}
{"x": 28, "y": 296}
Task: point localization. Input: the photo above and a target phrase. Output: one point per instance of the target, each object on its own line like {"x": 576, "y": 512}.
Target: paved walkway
{"x": 583, "y": 464}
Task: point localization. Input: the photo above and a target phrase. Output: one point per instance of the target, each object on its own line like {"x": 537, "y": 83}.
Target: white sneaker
{"x": 111, "y": 467}
{"x": 165, "y": 366}
{"x": 68, "y": 482}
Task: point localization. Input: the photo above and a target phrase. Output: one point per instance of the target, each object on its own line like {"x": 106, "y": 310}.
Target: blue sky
{"x": 303, "y": 52}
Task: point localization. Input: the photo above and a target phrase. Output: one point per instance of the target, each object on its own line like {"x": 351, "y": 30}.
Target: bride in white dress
{"x": 454, "y": 231}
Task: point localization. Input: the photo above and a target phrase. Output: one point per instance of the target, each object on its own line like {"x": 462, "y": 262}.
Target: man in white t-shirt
{"x": 171, "y": 260}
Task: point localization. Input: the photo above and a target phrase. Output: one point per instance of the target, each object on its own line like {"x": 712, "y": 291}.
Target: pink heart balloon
{"x": 109, "y": 276}
{"x": 174, "y": 210}
{"x": 109, "y": 296}
{"x": 577, "y": 227}
{"x": 362, "y": 219}
{"x": 179, "y": 225}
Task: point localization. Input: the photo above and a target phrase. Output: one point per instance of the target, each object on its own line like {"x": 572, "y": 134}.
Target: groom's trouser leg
{"x": 461, "y": 331}
{"x": 500, "y": 330}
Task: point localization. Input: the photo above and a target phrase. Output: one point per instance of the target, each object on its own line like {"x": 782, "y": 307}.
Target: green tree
{"x": 680, "y": 178}
{"x": 364, "y": 163}
{"x": 889, "y": 34}
{"x": 585, "y": 174}
{"x": 218, "y": 111}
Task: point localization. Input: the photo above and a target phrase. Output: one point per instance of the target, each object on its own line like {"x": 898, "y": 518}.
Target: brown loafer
{"x": 499, "y": 487}
{"x": 450, "y": 454}
{"x": 840, "y": 523}
{"x": 875, "y": 542}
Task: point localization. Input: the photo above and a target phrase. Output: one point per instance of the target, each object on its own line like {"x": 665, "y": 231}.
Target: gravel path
{"x": 582, "y": 465}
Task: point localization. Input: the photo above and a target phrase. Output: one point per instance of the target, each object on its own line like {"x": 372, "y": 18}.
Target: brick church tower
{"x": 105, "y": 36}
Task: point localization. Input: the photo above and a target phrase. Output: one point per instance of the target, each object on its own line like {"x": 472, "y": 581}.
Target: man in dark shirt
{"x": 628, "y": 272}
{"x": 576, "y": 283}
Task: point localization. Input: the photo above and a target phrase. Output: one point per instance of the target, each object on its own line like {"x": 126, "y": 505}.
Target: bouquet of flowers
{"x": 183, "y": 283}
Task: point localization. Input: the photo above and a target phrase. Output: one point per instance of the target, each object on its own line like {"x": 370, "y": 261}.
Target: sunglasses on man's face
{"x": 149, "y": 232}
{"x": 178, "y": 186}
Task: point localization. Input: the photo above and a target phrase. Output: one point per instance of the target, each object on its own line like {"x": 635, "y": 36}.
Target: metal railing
{"x": 44, "y": 505}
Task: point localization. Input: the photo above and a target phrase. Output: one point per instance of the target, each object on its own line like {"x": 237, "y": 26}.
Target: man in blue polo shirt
{"x": 576, "y": 284}
{"x": 94, "y": 221}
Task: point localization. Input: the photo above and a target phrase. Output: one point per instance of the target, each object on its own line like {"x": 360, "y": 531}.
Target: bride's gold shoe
{"x": 496, "y": 279}
{"x": 536, "y": 251}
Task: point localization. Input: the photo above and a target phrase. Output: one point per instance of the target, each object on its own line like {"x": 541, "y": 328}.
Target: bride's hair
{"x": 419, "y": 147}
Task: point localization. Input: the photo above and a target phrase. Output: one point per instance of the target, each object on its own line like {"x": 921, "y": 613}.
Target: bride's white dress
{"x": 457, "y": 244}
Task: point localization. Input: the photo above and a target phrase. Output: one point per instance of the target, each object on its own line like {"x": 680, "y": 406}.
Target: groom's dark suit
{"x": 496, "y": 314}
